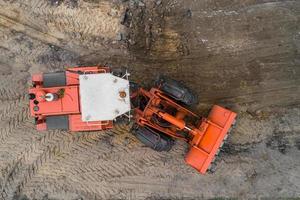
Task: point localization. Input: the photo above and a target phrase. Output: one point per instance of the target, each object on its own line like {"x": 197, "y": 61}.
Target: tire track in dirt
{"x": 12, "y": 87}
{"x": 68, "y": 20}
{"x": 13, "y": 124}
{"x": 55, "y": 186}
{"x": 72, "y": 26}
{"x": 9, "y": 107}
{"x": 82, "y": 164}
{"x": 82, "y": 146}
{"x": 17, "y": 122}
{"x": 79, "y": 144}
{"x": 29, "y": 161}
{"x": 39, "y": 35}
{"x": 31, "y": 32}
{"x": 42, "y": 7}
{"x": 248, "y": 129}
{"x": 21, "y": 52}
{"x": 284, "y": 141}
{"x": 121, "y": 164}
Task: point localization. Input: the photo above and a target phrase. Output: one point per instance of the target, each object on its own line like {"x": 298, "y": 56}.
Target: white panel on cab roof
{"x": 103, "y": 96}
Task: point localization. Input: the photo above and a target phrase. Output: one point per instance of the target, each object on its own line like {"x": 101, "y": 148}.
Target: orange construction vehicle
{"x": 91, "y": 98}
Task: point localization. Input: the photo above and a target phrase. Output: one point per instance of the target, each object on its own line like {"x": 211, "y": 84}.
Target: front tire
{"x": 176, "y": 90}
{"x": 153, "y": 139}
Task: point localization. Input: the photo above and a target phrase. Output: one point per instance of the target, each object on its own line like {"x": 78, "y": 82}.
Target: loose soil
{"x": 243, "y": 54}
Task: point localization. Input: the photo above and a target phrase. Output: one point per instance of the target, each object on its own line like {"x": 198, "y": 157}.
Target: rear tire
{"x": 60, "y": 122}
{"x": 153, "y": 139}
{"x": 176, "y": 90}
{"x": 55, "y": 79}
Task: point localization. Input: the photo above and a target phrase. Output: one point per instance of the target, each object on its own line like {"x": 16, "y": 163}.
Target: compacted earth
{"x": 242, "y": 54}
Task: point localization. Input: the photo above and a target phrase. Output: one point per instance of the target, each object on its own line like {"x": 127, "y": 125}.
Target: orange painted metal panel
{"x": 72, "y": 74}
{"x": 69, "y": 103}
{"x": 209, "y": 139}
{"x": 219, "y": 120}
{"x": 76, "y": 124}
{"x": 196, "y": 157}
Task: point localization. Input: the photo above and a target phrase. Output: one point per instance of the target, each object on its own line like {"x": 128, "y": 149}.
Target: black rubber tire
{"x": 120, "y": 72}
{"x": 55, "y": 79}
{"x": 153, "y": 139}
{"x": 133, "y": 87}
{"x": 60, "y": 122}
{"x": 176, "y": 90}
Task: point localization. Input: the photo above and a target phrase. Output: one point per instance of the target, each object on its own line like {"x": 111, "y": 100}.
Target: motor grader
{"x": 92, "y": 98}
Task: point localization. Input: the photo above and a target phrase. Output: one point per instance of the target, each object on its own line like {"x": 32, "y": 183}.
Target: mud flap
{"x": 57, "y": 122}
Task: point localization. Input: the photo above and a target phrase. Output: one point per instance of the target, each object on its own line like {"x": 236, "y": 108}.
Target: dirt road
{"x": 243, "y": 54}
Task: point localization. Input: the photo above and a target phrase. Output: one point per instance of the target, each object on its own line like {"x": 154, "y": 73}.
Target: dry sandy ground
{"x": 243, "y": 54}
